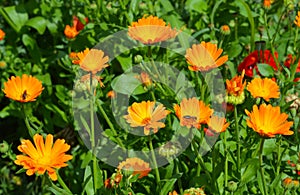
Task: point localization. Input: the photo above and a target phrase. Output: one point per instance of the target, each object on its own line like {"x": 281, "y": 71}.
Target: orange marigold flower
{"x": 192, "y": 112}
{"x": 268, "y": 121}
{"x": 204, "y": 57}
{"x": 2, "y": 34}
{"x": 287, "y": 182}
{"x": 151, "y": 30}
{"x": 137, "y": 165}
{"x": 92, "y": 60}
{"x": 111, "y": 94}
{"x": 216, "y": 124}
{"x": 43, "y": 156}
{"x": 144, "y": 115}
{"x": 70, "y": 32}
{"x": 267, "y": 3}
{"x": 173, "y": 193}
{"x": 194, "y": 191}
{"x": 225, "y": 29}
{"x": 25, "y": 89}
{"x": 145, "y": 79}
{"x": 265, "y": 88}
{"x": 297, "y": 20}
{"x": 236, "y": 86}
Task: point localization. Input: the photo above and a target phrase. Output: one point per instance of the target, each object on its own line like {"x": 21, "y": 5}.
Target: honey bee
{"x": 190, "y": 119}
{"x": 24, "y": 95}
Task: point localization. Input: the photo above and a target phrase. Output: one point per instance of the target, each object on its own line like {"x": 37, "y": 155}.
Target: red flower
{"x": 250, "y": 62}
{"x": 290, "y": 59}
{"x": 78, "y": 24}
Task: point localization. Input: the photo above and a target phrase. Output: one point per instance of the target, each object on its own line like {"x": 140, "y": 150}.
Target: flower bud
{"x": 232, "y": 186}
{"x": 3, "y": 65}
{"x": 4, "y": 147}
{"x": 287, "y": 183}
{"x": 138, "y": 59}
{"x": 225, "y": 30}
{"x": 170, "y": 149}
{"x": 194, "y": 191}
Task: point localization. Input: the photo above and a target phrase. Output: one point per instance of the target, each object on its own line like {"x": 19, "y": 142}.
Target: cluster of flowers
{"x": 190, "y": 111}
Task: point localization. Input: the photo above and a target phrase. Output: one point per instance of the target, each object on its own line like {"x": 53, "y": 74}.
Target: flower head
{"x": 216, "y": 124}
{"x": 137, "y": 165}
{"x": 265, "y": 88}
{"x": 43, "y": 156}
{"x": 194, "y": 191}
{"x": 249, "y": 64}
{"x": 70, "y": 32}
{"x": 297, "y": 20}
{"x": 267, "y": 3}
{"x": 151, "y": 29}
{"x": 268, "y": 121}
{"x": 192, "y": 112}
{"x": 236, "y": 86}
{"x": 204, "y": 57}
{"x": 23, "y": 89}
{"x": 2, "y": 34}
{"x": 78, "y": 24}
{"x": 145, "y": 115}
{"x": 225, "y": 29}
{"x": 90, "y": 60}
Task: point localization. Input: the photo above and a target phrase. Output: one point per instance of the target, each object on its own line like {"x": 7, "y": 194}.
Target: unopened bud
{"x": 138, "y": 59}
{"x": 4, "y": 147}
{"x": 232, "y": 186}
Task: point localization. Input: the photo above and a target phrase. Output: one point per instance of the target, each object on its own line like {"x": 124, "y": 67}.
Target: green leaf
{"x": 167, "y": 187}
{"x": 265, "y": 70}
{"x": 126, "y": 84}
{"x": 57, "y": 110}
{"x": 199, "y": 6}
{"x": 39, "y": 23}
{"x": 16, "y": 16}
{"x": 125, "y": 61}
{"x": 234, "y": 50}
{"x": 88, "y": 181}
{"x": 32, "y": 47}
{"x": 250, "y": 172}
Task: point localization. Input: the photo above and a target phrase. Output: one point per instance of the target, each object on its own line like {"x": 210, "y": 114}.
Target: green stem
{"x": 261, "y": 147}
{"x": 179, "y": 179}
{"x": 31, "y": 131}
{"x": 237, "y": 134}
{"x": 154, "y": 160}
{"x": 201, "y": 162}
{"x": 62, "y": 183}
{"x": 92, "y": 133}
{"x": 226, "y": 161}
{"x": 278, "y": 157}
{"x": 295, "y": 40}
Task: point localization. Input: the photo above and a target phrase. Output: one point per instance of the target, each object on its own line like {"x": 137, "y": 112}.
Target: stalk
{"x": 62, "y": 183}
{"x": 237, "y": 134}
{"x": 261, "y": 146}
{"x": 154, "y": 160}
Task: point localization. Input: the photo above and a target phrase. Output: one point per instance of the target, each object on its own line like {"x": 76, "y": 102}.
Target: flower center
{"x": 146, "y": 120}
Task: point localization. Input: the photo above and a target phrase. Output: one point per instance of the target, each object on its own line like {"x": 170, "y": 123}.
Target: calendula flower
{"x": 70, "y": 32}
{"x": 265, "y": 88}
{"x": 137, "y": 165}
{"x": 111, "y": 94}
{"x": 297, "y": 20}
{"x": 23, "y": 89}
{"x": 236, "y": 86}
{"x": 145, "y": 79}
{"x": 225, "y": 29}
{"x": 145, "y": 115}
{"x": 249, "y": 64}
{"x": 151, "y": 29}
{"x": 204, "y": 57}
{"x": 90, "y": 60}
{"x": 2, "y": 34}
{"x": 43, "y": 157}
{"x": 194, "y": 191}
{"x": 192, "y": 112}
{"x": 216, "y": 124}
{"x": 267, "y": 3}
{"x": 268, "y": 121}
{"x": 173, "y": 193}
{"x": 287, "y": 182}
